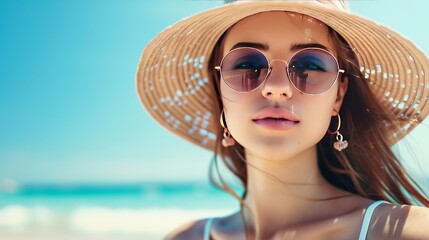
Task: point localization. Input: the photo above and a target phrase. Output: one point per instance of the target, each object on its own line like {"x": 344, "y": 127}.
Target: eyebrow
{"x": 299, "y": 46}
{"x": 293, "y": 47}
{"x": 260, "y": 46}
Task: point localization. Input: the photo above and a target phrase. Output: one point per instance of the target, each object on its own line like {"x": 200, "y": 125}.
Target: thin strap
{"x": 367, "y": 219}
{"x": 207, "y": 229}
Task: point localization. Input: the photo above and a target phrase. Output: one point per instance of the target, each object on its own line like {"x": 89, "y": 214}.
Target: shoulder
{"x": 396, "y": 221}
{"x": 188, "y": 231}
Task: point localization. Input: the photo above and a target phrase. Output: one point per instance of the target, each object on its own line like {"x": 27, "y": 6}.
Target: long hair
{"x": 368, "y": 167}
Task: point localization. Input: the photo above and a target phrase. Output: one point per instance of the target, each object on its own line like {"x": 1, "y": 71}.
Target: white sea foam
{"x": 13, "y": 216}
{"x": 100, "y": 220}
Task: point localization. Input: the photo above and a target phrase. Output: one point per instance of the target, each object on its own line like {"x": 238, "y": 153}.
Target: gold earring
{"x": 340, "y": 144}
{"x": 227, "y": 140}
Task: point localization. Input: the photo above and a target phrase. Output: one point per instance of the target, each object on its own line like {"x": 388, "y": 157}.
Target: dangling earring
{"x": 227, "y": 140}
{"x": 339, "y": 144}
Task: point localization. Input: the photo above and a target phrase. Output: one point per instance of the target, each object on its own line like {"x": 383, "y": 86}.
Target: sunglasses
{"x": 310, "y": 70}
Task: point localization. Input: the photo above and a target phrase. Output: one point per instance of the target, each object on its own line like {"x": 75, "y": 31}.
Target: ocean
{"x": 107, "y": 211}
{"x": 145, "y": 211}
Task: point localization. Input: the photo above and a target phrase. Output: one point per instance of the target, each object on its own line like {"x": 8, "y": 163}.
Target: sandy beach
{"x": 76, "y": 236}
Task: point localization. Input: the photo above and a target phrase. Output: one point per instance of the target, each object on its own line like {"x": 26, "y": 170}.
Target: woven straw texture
{"x": 173, "y": 83}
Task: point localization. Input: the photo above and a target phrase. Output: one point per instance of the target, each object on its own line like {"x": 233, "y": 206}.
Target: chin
{"x": 275, "y": 149}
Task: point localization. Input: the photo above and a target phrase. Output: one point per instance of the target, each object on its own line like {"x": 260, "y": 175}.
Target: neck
{"x": 280, "y": 192}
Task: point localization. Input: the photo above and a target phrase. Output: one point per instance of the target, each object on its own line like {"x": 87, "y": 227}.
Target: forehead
{"x": 278, "y": 30}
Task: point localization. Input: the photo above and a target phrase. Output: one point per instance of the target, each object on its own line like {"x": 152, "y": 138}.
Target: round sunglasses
{"x": 310, "y": 70}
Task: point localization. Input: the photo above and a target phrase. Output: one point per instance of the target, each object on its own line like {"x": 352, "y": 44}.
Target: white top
{"x": 363, "y": 231}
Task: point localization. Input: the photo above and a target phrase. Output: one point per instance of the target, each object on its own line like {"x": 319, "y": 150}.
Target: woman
{"x": 302, "y": 105}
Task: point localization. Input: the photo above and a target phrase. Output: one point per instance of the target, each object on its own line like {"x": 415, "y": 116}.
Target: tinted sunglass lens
{"x": 244, "y": 69}
{"x": 313, "y": 71}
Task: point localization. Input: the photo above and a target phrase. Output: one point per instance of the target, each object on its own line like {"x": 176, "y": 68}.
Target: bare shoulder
{"x": 396, "y": 221}
{"x": 416, "y": 222}
{"x": 188, "y": 231}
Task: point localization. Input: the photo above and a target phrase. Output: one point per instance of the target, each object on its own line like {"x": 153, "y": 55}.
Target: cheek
{"x": 238, "y": 121}
{"x": 239, "y": 109}
{"x": 318, "y": 120}
{"x": 318, "y": 116}
{"x": 229, "y": 95}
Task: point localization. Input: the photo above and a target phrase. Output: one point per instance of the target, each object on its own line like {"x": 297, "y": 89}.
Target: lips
{"x": 275, "y": 119}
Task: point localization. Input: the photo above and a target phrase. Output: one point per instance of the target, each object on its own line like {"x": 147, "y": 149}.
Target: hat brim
{"x": 172, "y": 75}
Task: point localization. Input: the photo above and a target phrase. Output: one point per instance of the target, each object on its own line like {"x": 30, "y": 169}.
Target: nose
{"x": 277, "y": 86}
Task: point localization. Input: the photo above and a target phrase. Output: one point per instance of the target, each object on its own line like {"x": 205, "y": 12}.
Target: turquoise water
{"x": 107, "y": 211}
{"x": 147, "y": 195}
{"x": 150, "y": 209}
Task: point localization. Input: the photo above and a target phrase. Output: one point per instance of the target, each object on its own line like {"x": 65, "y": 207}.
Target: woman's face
{"x": 250, "y": 115}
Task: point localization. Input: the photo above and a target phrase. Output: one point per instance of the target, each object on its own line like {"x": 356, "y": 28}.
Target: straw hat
{"x": 172, "y": 75}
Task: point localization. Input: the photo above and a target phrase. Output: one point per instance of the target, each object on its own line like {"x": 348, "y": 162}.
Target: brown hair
{"x": 368, "y": 167}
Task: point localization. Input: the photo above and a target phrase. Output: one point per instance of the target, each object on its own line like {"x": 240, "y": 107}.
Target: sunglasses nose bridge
{"x": 270, "y": 65}
{"x": 277, "y": 60}
{"x": 277, "y": 83}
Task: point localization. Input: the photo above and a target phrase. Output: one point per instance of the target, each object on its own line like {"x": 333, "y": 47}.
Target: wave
{"x": 100, "y": 220}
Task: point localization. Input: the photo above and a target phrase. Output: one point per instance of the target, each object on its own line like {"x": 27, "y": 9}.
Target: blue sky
{"x": 69, "y": 111}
